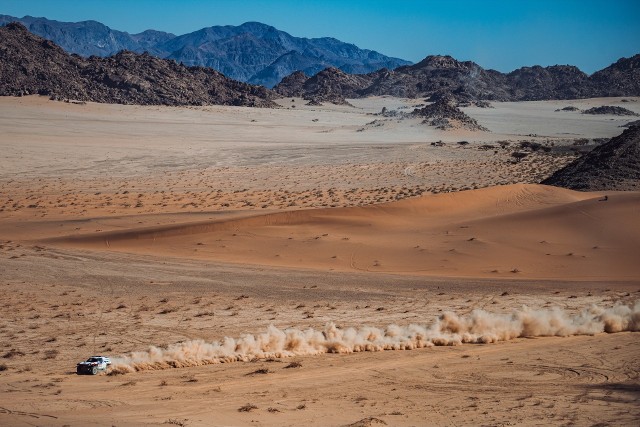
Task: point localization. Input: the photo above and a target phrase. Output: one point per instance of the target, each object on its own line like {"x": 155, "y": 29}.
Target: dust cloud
{"x": 479, "y": 327}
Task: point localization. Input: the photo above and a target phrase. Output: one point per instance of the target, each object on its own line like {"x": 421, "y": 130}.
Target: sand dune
{"x": 520, "y": 231}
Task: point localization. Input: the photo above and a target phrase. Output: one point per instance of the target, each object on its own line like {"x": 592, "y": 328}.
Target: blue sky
{"x": 498, "y": 34}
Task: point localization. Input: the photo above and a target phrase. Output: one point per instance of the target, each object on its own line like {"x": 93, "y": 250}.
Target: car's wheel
{"x": 78, "y": 371}
{"x": 94, "y": 370}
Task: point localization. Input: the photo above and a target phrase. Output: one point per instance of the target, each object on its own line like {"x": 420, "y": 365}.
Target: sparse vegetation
{"x": 247, "y": 408}
{"x": 51, "y": 354}
{"x": 261, "y": 371}
{"x": 293, "y": 365}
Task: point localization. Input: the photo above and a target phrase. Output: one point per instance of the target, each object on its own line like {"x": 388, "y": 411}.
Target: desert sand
{"x": 125, "y": 227}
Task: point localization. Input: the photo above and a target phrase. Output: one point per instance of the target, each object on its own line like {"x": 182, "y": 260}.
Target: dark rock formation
{"x": 333, "y": 85}
{"x": 621, "y": 78}
{"x": 610, "y": 109}
{"x": 443, "y": 114}
{"x": 542, "y": 83}
{"x": 614, "y": 165}
{"x": 569, "y": 108}
{"x": 32, "y": 65}
{"x": 292, "y": 85}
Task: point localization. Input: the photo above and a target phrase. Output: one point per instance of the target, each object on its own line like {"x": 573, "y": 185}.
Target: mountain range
{"x": 438, "y": 76}
{"x": 251, "y": 52}
{"x": 30, "y": 64}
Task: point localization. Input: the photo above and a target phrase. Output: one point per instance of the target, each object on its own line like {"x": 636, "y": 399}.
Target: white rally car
{"x": 93, "y": 365}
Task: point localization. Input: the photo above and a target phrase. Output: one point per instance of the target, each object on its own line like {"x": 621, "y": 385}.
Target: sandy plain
{"x": 123, "y": 227}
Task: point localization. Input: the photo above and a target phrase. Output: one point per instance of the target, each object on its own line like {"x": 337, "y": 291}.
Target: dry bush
{"x": 204, "y": 313}
{"x": 247, "y": 408}
{"x": 261, "y": 371}
{"x": 13, "y": 353}
{"x": 51, "y": 354}
{"x": 293, "y": 365}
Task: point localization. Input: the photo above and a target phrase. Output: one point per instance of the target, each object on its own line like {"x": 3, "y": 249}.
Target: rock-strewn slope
{"x": 614, "y": 165}
{"x": 32, "y": 65}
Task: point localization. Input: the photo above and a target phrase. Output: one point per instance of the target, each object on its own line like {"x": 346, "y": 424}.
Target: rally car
{"x": 93, "y": 365}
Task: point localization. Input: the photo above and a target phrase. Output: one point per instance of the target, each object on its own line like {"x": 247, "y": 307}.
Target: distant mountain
{"x": 614, "y": 165}
{"x": 88, "y": 38}
{"x": 436, "y": 76}
{"x": 30, "y": 64}
{"x": 252, "y": 52}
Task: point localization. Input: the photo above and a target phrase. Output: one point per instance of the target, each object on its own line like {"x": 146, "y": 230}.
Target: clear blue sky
{"x": 498, "y": 34}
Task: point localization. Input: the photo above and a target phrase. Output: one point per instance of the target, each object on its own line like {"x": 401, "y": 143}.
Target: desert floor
{"x": 123, "y": 227}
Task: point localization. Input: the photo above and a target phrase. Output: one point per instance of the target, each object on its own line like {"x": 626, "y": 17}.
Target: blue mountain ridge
{"x": 252, "y": 52}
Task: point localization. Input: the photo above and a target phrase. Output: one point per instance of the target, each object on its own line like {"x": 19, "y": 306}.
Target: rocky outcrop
{"x": 32, "y": 65}
{"x": 329, "y": 85}
{"x": 443, "y": 114}
{"x": 610, "y": 109}
{"x": 614, "y": 165}
{"x": 568, "y": 108}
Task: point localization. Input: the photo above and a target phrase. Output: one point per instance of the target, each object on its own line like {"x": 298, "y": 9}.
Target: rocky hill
{"x": 445, "y": 115}
{"x": 543, "y": 83}
{"x": 621, "y": 78}
{"x": 614, "y": 165}
{"x": 30, "y": 64}
{"x": 333, "y": 85}
{"x": 437, "y": 76}
{"x": 251, "y": 52}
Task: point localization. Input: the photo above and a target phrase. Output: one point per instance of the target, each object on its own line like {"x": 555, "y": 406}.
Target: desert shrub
{"x": 247, "y": 408}
{"x": 293, "y": 365}
{"x": 51, "y": 354}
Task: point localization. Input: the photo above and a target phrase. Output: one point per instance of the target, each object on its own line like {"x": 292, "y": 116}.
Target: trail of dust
{"x": 448, "y": 329}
